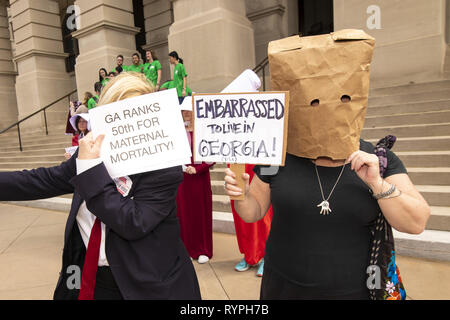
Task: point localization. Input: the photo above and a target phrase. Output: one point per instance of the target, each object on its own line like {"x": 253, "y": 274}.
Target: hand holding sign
{"x": 90, "y": 149}
{"x": 232, "y": 183}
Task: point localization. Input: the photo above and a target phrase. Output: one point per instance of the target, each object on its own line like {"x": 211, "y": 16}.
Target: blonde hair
{"x": 124, "y": 86}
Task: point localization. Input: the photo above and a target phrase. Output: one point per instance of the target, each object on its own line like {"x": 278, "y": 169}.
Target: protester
{"x": 152, "y": 69}
{"x": 179, "y": 76}
{"x": 141, "y": 255}
{"x": 194, "y": 205}
{"x": 80, "y": 123}
{"x": 87, "y": 97}
{"x": 120, "y": 67}
{"x": 103, "y": 76}
{"x": 73, "y": 106}
{"x": 251, "y": 237}
{"x": 328, "y": 195}
{"x": 136, "y": 66}
{"x": 92, "y": 103}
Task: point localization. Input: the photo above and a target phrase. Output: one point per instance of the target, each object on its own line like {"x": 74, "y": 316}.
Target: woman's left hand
{"x": 90, "y": 149}
{"x": 367, "y": 167}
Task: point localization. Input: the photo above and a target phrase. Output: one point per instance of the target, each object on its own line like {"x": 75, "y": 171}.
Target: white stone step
{"x": 430, "y": 244}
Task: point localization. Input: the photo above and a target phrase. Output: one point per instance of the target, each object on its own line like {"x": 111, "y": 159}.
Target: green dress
{"x": 133, "y": 68}
{"x": 92, "y": 103}
{"x": 179, "y": 73}
{"x": 105, "y": 81}
{"x": 168, "y": 85}
{"x": 151, "y": 71}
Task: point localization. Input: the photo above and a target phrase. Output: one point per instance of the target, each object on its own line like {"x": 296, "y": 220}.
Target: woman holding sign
{"x": 122, "y": 237}
{"x": 194, "y": 205}
{"x": 335, "y": 188}
{"x": 179, "y": 76}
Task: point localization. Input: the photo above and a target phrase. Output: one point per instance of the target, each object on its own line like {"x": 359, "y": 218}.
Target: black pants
{"x": 275, "y": 287}
{"x": 105, "y": 286}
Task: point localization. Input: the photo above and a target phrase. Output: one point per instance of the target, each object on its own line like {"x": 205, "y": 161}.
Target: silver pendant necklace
{"x": 325, "y": 205}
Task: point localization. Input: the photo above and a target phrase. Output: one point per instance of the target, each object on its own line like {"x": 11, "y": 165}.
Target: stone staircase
{"x": 418, "y": 114}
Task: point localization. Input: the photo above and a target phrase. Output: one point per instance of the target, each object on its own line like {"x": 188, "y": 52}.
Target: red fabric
{"x": 69, "y": 128}
{"x": 252, "y": 237}
{"x": 75, "y": 140}
{"x": 89, "y": 273}
{"x": 194, "y": 210}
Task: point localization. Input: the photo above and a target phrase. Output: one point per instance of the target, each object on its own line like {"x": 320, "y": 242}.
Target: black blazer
{"x": 143, "y": 245}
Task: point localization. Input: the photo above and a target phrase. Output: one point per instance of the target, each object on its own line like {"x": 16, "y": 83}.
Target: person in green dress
{"x": 179, "y": 76}
{"x": 92, "y": 103}
{"x": 103, "y": 76}
{"x": 153, "y": 69}
{"x": 136, "y": 66}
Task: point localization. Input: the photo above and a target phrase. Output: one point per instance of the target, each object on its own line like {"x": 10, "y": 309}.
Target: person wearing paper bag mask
{"x": 123, "y": 233}
{"x": 319, "y": 243}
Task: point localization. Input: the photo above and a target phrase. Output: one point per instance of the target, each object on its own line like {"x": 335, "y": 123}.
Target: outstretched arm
{"x": 39, "y": 183}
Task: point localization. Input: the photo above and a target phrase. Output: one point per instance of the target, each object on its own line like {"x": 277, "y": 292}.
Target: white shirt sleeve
{"x": 85, "y": 165}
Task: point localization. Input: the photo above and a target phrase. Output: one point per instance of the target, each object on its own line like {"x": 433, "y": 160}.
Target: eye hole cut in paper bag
{"x": 321, "y": 73}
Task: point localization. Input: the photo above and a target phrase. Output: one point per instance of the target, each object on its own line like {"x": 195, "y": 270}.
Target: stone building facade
{"x": 49, "y": 48}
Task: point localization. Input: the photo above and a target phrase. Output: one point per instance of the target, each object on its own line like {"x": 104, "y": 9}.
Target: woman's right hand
{"x": 231, "y": 184}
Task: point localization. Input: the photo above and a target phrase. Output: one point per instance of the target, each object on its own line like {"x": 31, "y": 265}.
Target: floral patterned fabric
{"x": 383, "y": 249}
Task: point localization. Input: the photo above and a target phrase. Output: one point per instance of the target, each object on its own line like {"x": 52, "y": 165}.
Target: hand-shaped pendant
{"x": 325, "y": 210}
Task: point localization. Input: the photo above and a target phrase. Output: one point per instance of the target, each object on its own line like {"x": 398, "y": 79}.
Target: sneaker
{"x": 242, "y": 266}
{"x": 203, "y": 259}
{"x": 260, "y": 269}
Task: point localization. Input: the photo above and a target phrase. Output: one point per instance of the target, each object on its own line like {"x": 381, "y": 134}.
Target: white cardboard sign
{"x": 241, "y": 127}
{"x": 144, "y": 133}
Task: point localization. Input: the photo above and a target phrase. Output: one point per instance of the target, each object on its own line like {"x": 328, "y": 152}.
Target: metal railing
{"x": 44, "y": 109}
{"x": 261, "y": 67}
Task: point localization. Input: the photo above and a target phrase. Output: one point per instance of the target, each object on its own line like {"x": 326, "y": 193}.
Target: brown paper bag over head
{"x": 328, "y": 79}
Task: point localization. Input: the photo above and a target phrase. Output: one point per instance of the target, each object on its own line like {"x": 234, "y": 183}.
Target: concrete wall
{"x": 271, "y": 20}
{"x": 107, "y": 30}
{"x": 158, "y": 19}
{"x": 40, "y": 58}
{"x": 410, "y": 46}
{"x": 8, "y": 105}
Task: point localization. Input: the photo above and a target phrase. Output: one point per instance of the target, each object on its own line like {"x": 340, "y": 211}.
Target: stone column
{"x": 107, "y": 30}
{"x": 158, "y": 18}
{"x": 215, "y": 39}
{"x": 42, "y": 76}
{"x": 271, "y": 20}
{"x": 8, "y": 108}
